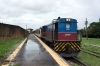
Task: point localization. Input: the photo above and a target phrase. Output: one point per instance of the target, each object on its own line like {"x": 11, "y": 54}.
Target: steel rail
{"x": 91, "y": 53}
{"x": 75, "y": 61}
{"x": 79, "y": 62}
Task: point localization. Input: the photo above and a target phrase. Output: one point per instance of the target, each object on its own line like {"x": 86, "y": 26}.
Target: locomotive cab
{"x": 65, "y": 30}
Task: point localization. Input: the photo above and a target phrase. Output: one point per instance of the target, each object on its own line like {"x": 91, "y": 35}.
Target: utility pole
{"x": 86, "y": 22}
{"x": 99, "y": 19}
{"x": 26, "y": 31}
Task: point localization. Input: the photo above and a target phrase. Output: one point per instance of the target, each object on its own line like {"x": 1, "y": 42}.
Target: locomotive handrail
{"x": 80, "y": 36}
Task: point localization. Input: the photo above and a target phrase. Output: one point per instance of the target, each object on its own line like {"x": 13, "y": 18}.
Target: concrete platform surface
{"x": 33, "y": 54}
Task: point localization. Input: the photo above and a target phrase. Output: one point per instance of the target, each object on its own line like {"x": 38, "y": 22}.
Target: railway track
{"x": 75, "y": 61}
{"x": 92, "y": 45}
{"x": 93, "y": 53}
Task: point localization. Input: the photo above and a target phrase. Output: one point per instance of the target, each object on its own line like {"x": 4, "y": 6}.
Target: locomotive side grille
{"x": 62, "y": 46}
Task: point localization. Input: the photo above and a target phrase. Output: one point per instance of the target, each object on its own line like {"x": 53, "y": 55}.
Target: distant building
{"x": 30, "y": 30}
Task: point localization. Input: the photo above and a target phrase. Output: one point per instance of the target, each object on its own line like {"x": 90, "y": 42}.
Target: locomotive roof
{"x": 61, "y": 20}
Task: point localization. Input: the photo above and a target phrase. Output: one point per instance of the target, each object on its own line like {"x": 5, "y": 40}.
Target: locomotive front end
{"x": 67, "y": 48}
{"x": 65, "y": 37}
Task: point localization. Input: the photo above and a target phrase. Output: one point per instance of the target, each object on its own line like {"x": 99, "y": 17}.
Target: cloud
{"x": 36, "y": 13}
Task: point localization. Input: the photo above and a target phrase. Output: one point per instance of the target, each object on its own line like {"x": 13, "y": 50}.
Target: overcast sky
{"x": 36, "y": 13}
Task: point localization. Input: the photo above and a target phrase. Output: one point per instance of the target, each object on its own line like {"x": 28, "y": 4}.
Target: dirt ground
{"x": 2, "y": 59}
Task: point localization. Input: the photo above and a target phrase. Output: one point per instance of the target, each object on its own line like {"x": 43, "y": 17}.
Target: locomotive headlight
{"x": 67, "y": 19}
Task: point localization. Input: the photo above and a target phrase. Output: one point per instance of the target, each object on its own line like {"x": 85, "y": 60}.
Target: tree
{"x": 94, "y": 30}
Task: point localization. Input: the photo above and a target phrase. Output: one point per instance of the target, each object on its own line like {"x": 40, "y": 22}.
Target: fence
{"x": 11, "y": 31}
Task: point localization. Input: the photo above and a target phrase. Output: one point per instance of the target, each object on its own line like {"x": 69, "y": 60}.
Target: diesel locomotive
{"x": 62, "y": 36}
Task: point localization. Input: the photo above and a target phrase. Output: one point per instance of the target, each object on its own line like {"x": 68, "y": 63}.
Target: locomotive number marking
{"x": 67, "y": 34}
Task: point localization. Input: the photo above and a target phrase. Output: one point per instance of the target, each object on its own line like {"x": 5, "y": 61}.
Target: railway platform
{"x": 33, "y": 53}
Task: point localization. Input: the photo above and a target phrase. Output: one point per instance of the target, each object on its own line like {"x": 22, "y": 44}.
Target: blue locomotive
{"x": 61, "y": 36}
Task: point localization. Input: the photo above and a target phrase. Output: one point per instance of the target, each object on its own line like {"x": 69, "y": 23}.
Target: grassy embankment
{"x": 86, "y": 58}
{"x": 6, "y": 45}
{"x": 93, "y": 41}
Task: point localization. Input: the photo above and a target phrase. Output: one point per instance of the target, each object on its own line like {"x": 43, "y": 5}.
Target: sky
{"x": 36, "y": 13}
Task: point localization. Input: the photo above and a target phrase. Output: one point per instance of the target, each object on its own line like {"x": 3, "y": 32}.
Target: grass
{"x": 94, "y": 41}
{"x": 91, "y": 48}
{"x": 6, "y": 45}
{"x": 88, "y": 59}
